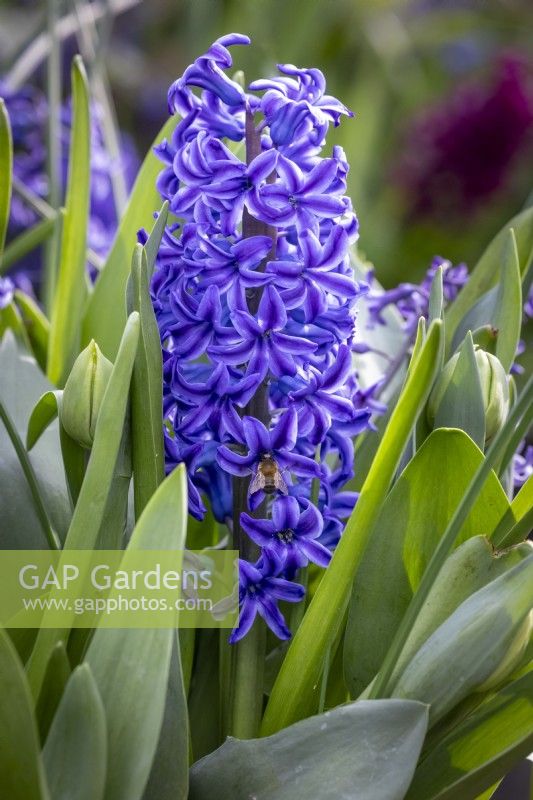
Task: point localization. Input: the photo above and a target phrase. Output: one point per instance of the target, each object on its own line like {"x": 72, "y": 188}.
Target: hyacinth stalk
{"x": 255, "y": 300}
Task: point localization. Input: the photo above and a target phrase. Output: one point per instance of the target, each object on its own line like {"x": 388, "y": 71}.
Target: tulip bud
{"x": 494, "y": 388}
{"x": 83, "y": 394}
{"x": 478, "y": 646}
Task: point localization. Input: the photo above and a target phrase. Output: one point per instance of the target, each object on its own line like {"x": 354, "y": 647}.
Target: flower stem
{"x": 249, "y": 654}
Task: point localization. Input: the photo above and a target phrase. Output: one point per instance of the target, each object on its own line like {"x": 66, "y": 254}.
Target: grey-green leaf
{"x": 462, "y": 404}
{"x": 44, "y": 412}
{"x": 403, "y": 540}
{"x": 75, "y": 750}
{"x": 366, "y": 750}
{"x": 21, "y": 770}
{"x": 21, "y": 385}
{"x": 147, "y": 388}
{"x": 481, "y": 749}
{"x": 131, "y": 666}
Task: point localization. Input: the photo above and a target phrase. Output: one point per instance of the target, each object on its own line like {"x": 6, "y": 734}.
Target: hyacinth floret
{"x": 256, "y": 301}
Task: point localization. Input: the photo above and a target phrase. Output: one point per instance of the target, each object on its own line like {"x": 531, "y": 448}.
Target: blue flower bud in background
{"x": 255, "y": 299}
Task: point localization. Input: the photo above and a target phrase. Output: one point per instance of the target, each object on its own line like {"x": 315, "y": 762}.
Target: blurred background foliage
{"x": 441, "y": 148}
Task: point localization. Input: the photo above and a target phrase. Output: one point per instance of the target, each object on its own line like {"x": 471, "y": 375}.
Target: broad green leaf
{"x": 481, "y": 749}
{"x": 21, "y": 769}
{"x": 75, "y": 750}
{"x": 365, "y": 750}
{"x": 403, "y": 540}
{"x": 462, "y": 404}
{"x": 36, "y": 325}
{"x": 131, "y": 666}
{"x": 294, "y": 691}
{"x": 500, "y": 308}
{"x": 105, "y": 314}
{"x": 65, "y": 324}
{"x": 55, "y": 680}
{"x": 516, "y": 422}
{"x": 476, "y": 648}
{"x": 21, "y": 385}
{"x": 146, "y": 390}
{"x": 508, "y": 320}
{"x": 436, "y": 297}
{"x": 169, "y": 776}
{"x": 519, "y": 510}
{"x": 6, "y": 171}
{"x": 44, "y": 412}
{"x": 469, "y": 568}
{"x": 92, "y": 501}
{"x": 484, "y": 276}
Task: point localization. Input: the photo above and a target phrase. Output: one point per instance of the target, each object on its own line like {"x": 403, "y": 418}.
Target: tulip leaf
{"x": 147, "y": 388}
{"x": 508, "y": 317}
{"x": 436, "y": 296}
{"x": 294, "y": 691}
{"x": 485, "y": 274}
{"x": 21, "y": 770}
{"x": 105, "y": 315}
{"x": 479, "y": 644}
{"x": 92, "y": 501}
{"x": 65, "y": 323}
{"x": 36, "y": 325}
{"x": 169, "y": 776}
{"x": 6, "y": 171}
{"x": 131, "y": 666}
{"x": 75, "y": 750}
{"x": 410, "y": 523}
{"x": 366, "y": 750}
{"x": 21, "y": 385}
{"x": 44, "y": 412}
{"x": 462, "y": 404}
{"x": 519, "y": 510}
{"x": 481, "y": 749}
{"x": 55, "y": 680}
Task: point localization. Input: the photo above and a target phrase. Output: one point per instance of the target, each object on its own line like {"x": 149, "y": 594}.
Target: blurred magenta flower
{"x": 461, "y": 152}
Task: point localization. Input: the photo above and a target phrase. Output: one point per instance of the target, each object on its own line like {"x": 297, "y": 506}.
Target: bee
{"x": 268, "y": 477}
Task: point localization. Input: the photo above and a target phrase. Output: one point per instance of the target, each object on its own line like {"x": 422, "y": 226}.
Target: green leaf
{"x": 436, "y": 297}
{"x": 469, "y": 568}
{"x": 147, "y": 390}
{"x": 462, "y": 404}
{"x": 55, "y": 680}
{"x": 169, "y": 776}
{"x": 481, "y": 750}
{"x": 366, "y": 750}
{"x": 21, "y": 385}
{"x": 37, "y": 327}
{"x": 293, "y": 693}
{"x": 484, "y": 276}
{"x": 105, "y": 315}
{"x": 21, "y": 769}
{"x": 131, "y": 666}
{"x": 500, "y": 308}
{"x": 508, "y": 319}
{"x": 476, "y": 648}
{"x": 90, "y": 508}
{"x": 6, "y": 171}
{"x": 44, "y": 412}
{"x": 403, "y": 539}
{"x": 26, "y": 242}
{"x": 519, "y": 510}
{"x": 75, "y": 750}
{"x": 70, "y": 293}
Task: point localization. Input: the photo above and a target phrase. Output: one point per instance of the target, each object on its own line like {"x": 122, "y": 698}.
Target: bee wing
{"x": 257, "y": 483}
{"x": 279, "y": 483}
